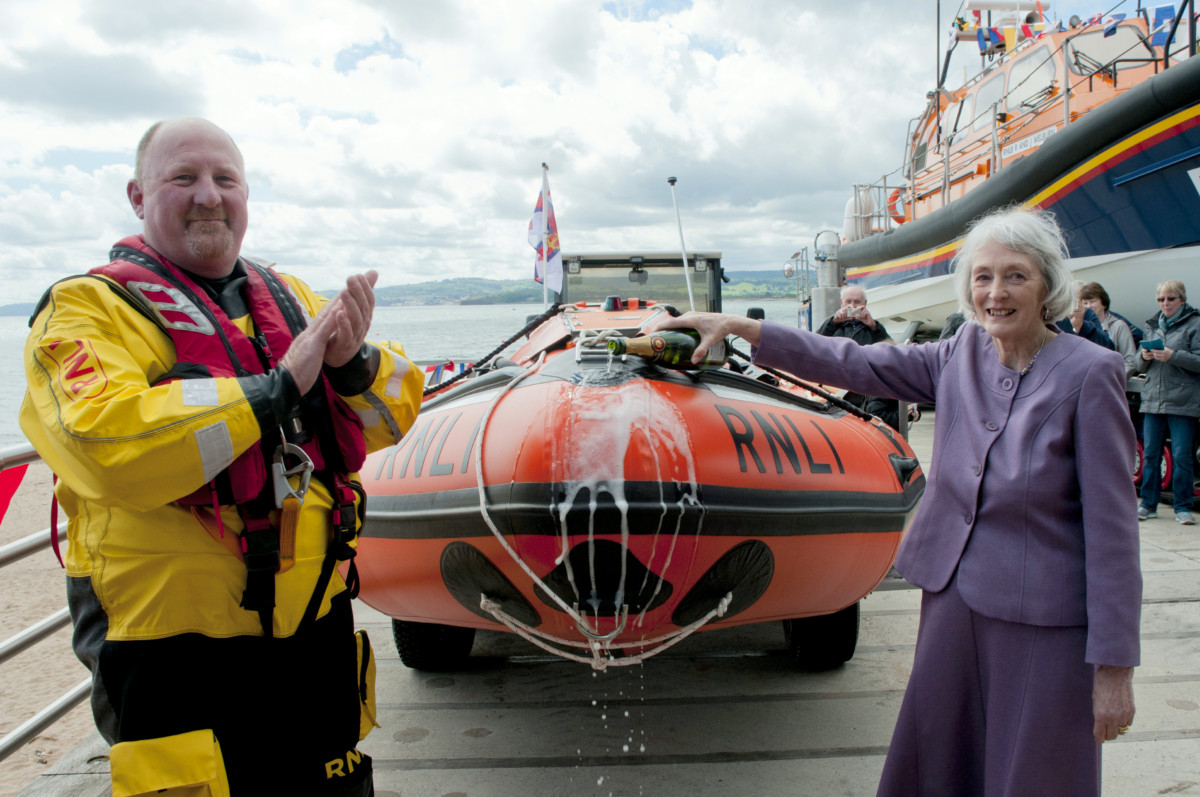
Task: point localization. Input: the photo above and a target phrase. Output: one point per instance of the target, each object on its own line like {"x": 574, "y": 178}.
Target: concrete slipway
{"x": 723, "y": 713}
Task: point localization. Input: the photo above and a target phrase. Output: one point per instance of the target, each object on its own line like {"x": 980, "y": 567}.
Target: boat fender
{"x": 856, "y": 218}
{"x": 897, "y": 207}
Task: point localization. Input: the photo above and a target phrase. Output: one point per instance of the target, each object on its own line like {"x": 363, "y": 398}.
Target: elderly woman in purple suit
{"x": 1026, "y": 542}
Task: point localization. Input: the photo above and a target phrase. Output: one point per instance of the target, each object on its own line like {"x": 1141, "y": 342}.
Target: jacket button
{"x": 977, "y": 470}
{"x": 991, "y": 426}
{"x": 1007, "y": 384}
{"x": 967, "y": 518}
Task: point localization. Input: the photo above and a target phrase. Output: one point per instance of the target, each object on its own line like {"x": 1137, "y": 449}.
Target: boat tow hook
{"x": 280, "y": 473}
{"x": 596, "y": 636}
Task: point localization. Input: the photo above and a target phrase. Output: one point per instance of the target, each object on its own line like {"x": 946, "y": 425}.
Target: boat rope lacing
{"x": 601, "y": 658}
{"x": 598, "y": 644}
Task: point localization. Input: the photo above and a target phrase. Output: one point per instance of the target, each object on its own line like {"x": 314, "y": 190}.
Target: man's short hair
{"x": 143, "y": 145}
{"x": 139, "y": 158}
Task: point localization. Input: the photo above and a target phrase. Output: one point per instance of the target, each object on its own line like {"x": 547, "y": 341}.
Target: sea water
{"x": 456, "y": 332}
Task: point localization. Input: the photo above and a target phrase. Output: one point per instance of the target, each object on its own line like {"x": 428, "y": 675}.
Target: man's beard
{"x": 207, "y": 241}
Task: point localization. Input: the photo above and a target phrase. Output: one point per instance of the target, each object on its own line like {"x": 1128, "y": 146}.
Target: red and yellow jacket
{"x": 128, "y": 443}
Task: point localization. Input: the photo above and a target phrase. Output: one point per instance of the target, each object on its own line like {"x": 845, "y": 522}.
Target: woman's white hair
{"x": 1032, "y": 232}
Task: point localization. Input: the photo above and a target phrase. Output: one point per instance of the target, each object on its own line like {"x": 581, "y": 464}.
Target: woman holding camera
{"x": 1170, "y": 359}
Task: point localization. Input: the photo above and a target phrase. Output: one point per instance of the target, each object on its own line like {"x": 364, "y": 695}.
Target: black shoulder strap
{"x": 281, "y": 294}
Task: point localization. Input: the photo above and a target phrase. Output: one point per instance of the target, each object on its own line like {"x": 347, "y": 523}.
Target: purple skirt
{"x": 993, "y": 709}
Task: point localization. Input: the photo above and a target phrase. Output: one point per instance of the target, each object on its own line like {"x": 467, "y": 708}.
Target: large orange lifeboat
{"x": 605, "y": 507}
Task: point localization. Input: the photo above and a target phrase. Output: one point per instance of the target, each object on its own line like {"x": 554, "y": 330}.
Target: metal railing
{"x": 28, "y": 730}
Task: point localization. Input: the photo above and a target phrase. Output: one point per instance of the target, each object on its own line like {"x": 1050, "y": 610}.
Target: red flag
{"x": 10, "y": 480}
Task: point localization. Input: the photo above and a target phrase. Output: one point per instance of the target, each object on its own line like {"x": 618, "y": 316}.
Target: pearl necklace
{"x": 1033, "y": 359}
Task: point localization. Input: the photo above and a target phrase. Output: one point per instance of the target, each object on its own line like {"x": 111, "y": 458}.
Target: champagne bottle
{"x": 673, "y": 347}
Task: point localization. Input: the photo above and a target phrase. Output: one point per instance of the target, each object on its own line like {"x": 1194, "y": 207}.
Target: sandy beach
{"x": 30, "y": 590}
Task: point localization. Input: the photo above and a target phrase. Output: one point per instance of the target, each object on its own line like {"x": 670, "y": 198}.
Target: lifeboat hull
{"x": 607, "y": 504}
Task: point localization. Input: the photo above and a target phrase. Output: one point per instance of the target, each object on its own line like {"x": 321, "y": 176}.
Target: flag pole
{"x": 545, "y": 234}
{"x": 682, "y": 246}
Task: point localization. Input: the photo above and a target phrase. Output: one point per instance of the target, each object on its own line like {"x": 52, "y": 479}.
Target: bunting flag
{"x": 543, "y": 236}
{"x": 1113, "y": 21}
{"x": 1163, "y": 15}
{"x": 10, "y": 480}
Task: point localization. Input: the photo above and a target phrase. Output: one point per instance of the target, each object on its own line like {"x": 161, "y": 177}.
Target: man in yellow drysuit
{"x": 205, "y": 417}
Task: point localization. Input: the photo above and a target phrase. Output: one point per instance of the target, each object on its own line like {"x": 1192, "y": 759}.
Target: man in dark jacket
{"x": 853, "y": 320}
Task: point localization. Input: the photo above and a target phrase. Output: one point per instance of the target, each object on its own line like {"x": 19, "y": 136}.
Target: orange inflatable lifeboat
{"x": 605, "y": 507}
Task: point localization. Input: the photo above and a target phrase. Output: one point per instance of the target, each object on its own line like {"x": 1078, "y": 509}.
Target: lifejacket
{"x": 208, "y": 344}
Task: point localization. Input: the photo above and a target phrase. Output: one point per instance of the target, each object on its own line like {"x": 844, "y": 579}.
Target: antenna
{"x": 682, "y": 246}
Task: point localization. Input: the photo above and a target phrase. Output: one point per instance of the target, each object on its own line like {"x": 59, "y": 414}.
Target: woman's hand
{"x": 1112, "y": 702}
{"x": 713, "y": 327}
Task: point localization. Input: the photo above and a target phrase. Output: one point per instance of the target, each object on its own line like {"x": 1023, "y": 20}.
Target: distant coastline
{"x": 749, "y": 285}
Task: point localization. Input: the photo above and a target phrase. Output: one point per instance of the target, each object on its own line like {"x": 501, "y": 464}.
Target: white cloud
{"x": 408, "y": 136}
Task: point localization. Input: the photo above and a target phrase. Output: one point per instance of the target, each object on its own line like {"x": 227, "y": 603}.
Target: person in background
{"x": 1170, "y": 399}
{"x": 1083, "y": 322}
{"x": 205, "y": 417}
{"x": 953, "y": 322}
{"x": 1134, "y": 329}
{"x": 1095, "y": 298}
{"x": 854, "y": 321}
{"x": 1026, "y": 541}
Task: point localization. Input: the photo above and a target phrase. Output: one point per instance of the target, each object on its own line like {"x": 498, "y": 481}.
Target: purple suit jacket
{"x": 1030, "y": 490}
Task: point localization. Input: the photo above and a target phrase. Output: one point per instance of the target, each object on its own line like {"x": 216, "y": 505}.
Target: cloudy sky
{"x": 407, "y": 135}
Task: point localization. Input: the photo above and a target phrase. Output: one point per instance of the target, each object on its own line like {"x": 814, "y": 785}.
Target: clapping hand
{"x": 336, "y": 334}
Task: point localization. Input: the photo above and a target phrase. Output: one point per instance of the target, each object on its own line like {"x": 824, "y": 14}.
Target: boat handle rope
{"x": 596, "y": 660}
